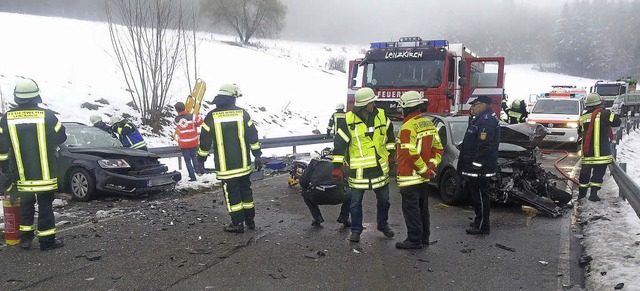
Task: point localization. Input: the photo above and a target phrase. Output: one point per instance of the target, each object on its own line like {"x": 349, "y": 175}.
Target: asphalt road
{"x": 175, "y": 241}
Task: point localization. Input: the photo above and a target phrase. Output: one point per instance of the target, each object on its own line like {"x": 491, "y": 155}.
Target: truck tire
{"x": 450, "y": 187}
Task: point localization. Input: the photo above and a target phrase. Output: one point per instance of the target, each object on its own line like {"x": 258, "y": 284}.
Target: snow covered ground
{"x": 288, "y": 91}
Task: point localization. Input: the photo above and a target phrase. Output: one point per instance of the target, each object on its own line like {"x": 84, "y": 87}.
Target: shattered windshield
{"x": 554, "y": 106}
{"x": 88, "y": 136}
{"x": 399, "y": 74}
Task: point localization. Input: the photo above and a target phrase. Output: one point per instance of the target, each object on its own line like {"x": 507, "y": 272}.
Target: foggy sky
{"x": 364, "y": 21}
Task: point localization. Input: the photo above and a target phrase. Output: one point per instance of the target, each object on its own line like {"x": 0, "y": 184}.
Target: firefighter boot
{"x": 582, "y": 192}
{"x": 251, "y": 224}
{"x": 355, "y": 237}
{"x": 317, "y": 221}
{"x": 45, "y": 246}
{"x": 344, "y": 219}
{"x": 234, "y": 228}
{"x": 406, "y": 245}
{"x": 26, "y": 240}
{"x": 386, "y": 231}
{"x": 594, "y": 195}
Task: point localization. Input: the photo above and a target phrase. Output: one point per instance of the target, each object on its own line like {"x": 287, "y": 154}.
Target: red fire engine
{"x": 449, "y": 75}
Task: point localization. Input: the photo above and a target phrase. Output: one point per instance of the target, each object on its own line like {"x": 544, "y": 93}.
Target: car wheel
{"x": 82, "y": 185}
{"x": 451, "y": 188}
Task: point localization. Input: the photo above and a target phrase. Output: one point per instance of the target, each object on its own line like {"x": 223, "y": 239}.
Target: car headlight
{"x": 572, "y": 124}
{"x": 113, "y": 164}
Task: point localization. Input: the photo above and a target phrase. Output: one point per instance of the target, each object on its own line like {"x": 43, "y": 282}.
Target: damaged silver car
{"x": 520, "y": 178}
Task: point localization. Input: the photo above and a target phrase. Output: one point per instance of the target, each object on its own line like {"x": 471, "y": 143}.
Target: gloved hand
{"x": 336, "y": 175}
{"x": 328, "y": 133}
{"x": 428, "y": 174}
{"x": 258, "y": 164}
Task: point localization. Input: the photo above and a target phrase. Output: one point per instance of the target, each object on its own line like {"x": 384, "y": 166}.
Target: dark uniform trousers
{"x": 331, "y": 196}
{"x": 586, "y": 177}
{"x": 239, "y": 198}
{"x": 415, "y": 208}
{"x": 45, "y": 214}
{"x": 478, "y": 190}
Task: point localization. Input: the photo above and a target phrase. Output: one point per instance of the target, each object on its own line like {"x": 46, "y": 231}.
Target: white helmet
{"x": 95, "y": 118}
{"x": 410, "y": 99}
{"x": 26, "y": 89}
{"x": 365, "y": 96}
{"x": 340, "y": 106}
{"x": 116, "y": 119}
{"x": 230, "y": 90}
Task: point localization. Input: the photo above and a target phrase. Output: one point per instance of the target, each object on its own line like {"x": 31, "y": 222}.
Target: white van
{"x": 561, "y": 116}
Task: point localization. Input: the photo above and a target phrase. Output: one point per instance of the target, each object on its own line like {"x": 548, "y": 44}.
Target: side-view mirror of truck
{"x": 462, "y": 81}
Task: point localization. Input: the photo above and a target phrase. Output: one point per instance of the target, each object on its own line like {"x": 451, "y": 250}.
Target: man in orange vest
{"x": 187, "y": 136}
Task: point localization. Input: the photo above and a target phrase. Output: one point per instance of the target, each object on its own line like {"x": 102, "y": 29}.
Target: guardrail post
{"x": 294, "y": 149}
{"x": 623, "y": 166}
{"x": 180, "y": 163}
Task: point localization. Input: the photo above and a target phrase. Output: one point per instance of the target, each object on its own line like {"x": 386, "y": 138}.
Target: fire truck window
{"x": 405, "y": 74}
{"x": 484, "y": 74}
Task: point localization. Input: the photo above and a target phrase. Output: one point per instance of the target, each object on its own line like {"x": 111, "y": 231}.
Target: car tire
{"x": 451, "y": 188}
{"x": 82, "y": 185}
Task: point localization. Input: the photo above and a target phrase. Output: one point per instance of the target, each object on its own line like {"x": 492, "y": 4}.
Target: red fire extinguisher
{"x": 11, "y": 220}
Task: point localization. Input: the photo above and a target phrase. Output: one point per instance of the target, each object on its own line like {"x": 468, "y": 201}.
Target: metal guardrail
{"x": 267, "y": 143}
{"x": 628, "y": 189}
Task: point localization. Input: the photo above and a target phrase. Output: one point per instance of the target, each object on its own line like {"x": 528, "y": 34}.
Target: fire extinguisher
{"x": 11, "y": 220}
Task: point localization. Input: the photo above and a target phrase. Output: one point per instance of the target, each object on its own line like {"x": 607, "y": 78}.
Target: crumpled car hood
{"x": 525, "y": 135}
{"x": 112, "y": 152}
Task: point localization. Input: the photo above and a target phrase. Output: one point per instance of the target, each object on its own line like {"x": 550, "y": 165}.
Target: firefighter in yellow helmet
{"x": 517, "y": 113}
{"x": 336, "y": 119}
{"x": 595, "y": 124}
{"x": 230, "y": 135}
{"x": 29, "y": 135}
{"x": 419, "y": 152}
{"x": 365, "y": 139}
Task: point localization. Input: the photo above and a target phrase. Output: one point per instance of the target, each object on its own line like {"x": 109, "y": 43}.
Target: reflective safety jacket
{"x": 418, "y": 149}
{"x": 232, "y": 134}
{"x": 32, "y": 134}
{"x": 129, "y": 135}
{"x": 479, "y": 148}
{"x": 337, "y": 118}
{"x": 366, "y": 145}
{"x": 597, "y": 135}
{"x": 514, "y": 116}
{"x": 187, "y": 129}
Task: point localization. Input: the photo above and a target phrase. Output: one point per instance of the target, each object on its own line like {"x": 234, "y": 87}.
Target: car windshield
{"x": 88, "y": 136}
{"x": 458, "y": 128}
{"x": 554, "y": 106}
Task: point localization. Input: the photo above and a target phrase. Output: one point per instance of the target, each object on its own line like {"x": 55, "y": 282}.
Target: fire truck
{"x": 448, "y": 75}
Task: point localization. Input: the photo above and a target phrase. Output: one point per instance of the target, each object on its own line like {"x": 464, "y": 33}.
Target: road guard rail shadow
{"x": 629, "y": 190}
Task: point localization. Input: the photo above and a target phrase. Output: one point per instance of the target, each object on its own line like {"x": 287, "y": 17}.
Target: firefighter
{"x": 127, "y": 133}
{"x": 187, "y": 136}
{"x": 97, "y": 122}
{"x": 30, "y": 135}
{"x": 595, "y": 124}
{"x": 517, "y": 113}
{"x": 365, "y": 139}
{"x": 230, "y": 134}
{"x": 336, "y": 119}
{"x": 478, "y": 161}
{"x": 319, "y": 188}
{"x": 419, "y": 152}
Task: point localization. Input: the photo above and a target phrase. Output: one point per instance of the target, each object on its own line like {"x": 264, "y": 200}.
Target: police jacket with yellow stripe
{"x": 366, "y": 145}
{"x": 418, "y": 149}
{"x": 31, "y": 134}
{"x": 598, "y": 150}
{"x": 229, "y": 133}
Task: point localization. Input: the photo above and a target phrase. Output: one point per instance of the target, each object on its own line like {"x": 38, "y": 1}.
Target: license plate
{"x": 159, "y": 182}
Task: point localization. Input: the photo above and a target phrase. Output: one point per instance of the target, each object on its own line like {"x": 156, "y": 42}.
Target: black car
{"x": 92, "y": 161}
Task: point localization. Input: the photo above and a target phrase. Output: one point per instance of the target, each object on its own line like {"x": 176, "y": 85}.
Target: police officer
{"x": 30, "y": 135}
{"x": 230, "y": 134}
{"x": 419, "y": 152}
{"x": 319, "y": 188}
{"x": 517, "y": 113}
{"x": 595, "y": 123}
{"x": 336, "y": 119}
{"x": 127, "y": 133}
{"x": 365, "y": 139}
{"x": 478, "y": 160}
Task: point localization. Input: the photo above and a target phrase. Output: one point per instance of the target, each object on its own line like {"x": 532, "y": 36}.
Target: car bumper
{"x": 124, "y": 184}
{"x": 562, "y": 135}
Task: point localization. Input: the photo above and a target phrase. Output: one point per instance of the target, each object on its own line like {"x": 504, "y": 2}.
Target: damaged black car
{"x": 91, "y": 161}
{"x": 520, "y": 178}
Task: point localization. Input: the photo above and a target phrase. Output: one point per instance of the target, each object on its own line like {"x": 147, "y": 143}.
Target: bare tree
{"x": 150, "y": 41}
{"x": 247, "y": 18}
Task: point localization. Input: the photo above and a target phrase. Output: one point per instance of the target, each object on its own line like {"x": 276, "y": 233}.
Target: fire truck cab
{"x": 448, "y": 75}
